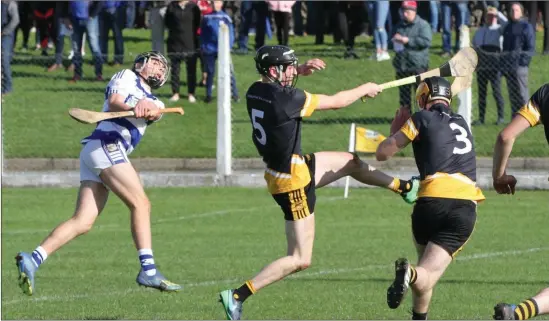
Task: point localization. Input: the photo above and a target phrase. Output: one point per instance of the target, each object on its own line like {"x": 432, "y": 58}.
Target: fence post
{"x": 224, "y": 133}
{"x": 466, "y": 96}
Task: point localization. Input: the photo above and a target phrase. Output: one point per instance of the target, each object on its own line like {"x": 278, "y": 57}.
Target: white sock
{"x": 39, "y": 256}
{"x": 147, "y": 261}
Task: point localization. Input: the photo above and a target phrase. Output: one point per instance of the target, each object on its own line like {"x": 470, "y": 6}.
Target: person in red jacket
{"x": 43, "y": 14}
{"x": 205, "y": 7}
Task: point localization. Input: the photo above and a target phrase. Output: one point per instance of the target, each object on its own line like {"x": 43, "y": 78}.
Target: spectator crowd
{"x": 402, "y": 31}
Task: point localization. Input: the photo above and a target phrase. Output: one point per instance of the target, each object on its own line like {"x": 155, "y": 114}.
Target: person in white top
{"x": 104, "y": 167}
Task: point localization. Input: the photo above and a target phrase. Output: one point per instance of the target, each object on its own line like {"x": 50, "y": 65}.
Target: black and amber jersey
{"x": 445, "y": 154}
{"x": 276, "y": 113}
{"x": 536, "y": 111}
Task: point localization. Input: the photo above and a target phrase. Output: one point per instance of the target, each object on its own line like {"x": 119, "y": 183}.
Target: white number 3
{"x": 462, "y": 137}
{"x": 259, "y": 114}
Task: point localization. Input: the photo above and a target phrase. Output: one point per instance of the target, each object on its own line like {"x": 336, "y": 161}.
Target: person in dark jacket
{"x": 519, "y": 43}
{"x": 182, "y": 21}
{"x": 411, "y": 44}
{"x": 487, "y": 41}
{"x": 26, "y": 17}
{"x": 208, "y": 46}
{"x": 10, "y": 20}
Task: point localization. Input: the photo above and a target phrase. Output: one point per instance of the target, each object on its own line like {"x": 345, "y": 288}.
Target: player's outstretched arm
{"x": 345, "y": 98}
{"x": 503, "y": 183}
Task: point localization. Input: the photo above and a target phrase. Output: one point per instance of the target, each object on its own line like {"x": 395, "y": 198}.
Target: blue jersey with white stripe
{"x": 128, "y": 131}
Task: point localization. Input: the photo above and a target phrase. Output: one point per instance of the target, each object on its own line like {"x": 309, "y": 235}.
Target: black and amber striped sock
{"x": 243, "y": 292}
{"x": 400, "y": 186}
{"x": 413, "y": 276}
{"x": 526, "y": 310}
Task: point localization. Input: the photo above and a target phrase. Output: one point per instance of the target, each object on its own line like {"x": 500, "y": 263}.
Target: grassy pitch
{"x": 210, "y": 239}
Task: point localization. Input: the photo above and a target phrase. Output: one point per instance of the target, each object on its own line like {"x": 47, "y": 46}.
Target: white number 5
{"x": 462, "y": 137}
{"x": 259, "y": 114}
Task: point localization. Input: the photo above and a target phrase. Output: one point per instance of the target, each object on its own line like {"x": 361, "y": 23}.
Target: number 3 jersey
{"x": 276, "y": 113}
{"x": 445, "y": 154}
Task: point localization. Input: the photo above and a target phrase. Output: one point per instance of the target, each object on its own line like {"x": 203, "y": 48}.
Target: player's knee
{"x": 83, "y": 226}
{"x": 354, "y": 163}
{"x": 141, "y": 202}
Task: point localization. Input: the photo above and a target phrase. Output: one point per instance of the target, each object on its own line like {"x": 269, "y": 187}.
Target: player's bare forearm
{"x": 502, "y": 151}
{"x": 504, "y": 144}
{"x": 392, "y": 145}
{"x": 345, "y": 98}
{"x": 386, "y": 149}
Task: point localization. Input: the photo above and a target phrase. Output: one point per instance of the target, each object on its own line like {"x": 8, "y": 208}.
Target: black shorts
{"x": 300, "y": 203}
{"x": 446, "y": 222}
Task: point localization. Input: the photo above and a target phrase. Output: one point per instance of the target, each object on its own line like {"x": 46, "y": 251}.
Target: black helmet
{"x": 276, "y": 56}
{"x": 433, "y": 88}
{"x": 144, "y": 58}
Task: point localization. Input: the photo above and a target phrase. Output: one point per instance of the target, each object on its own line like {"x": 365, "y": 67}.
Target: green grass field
{"x": 36, "y": 123}
{"x": 214, "y": 238}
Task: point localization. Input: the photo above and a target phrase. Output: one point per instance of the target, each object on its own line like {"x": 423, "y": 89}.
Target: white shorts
{"x": 96, "y": 155}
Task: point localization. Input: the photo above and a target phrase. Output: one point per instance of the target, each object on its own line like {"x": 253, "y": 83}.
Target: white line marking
{"x": 117, "y": 227}
{"x": 334, "y": 271}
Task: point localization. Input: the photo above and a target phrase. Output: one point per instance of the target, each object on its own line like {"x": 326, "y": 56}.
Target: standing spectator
{"x": 44, "y": 16}
{"x": 182, "y": 21}
{"x": 10, "y": 20}
{"x": 461, "y": 12}
{"x": 232, "y": 8}
{"x": 61, "y": 14}
{"x": 157, "y": 13}
{"x": 205, "y": 7}
{"x": 533, "y": 9}
{"x": 129, "y": 8}
{"x": 545, "y": 28}
{"x": 488, "y": 41}
{"x": 26, "y": 18}
{"x": 261, "y": 10}
{"x": 84, "y": 19}
{"x": 434, "y": 8}
{"x": 298, "y": 18}
{"x": 322, "y": 11}
{"x": 379, "y": 10}
{"x": 111, "y": 17}
{"x": 282, "y": 12}
{"x": 208, "y": 40}
{"x": 519, "y": 43}
{"x": 411, "y": 44}
{"x": 349, "y": 19}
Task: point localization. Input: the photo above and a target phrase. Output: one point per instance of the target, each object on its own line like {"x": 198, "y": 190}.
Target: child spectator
{"x": 208, "y": 39}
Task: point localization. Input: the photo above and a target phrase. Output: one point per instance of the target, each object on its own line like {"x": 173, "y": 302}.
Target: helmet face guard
{"x": 279, "y": 57}
{"x": 156, "y": 67}
{"x": 433, "y": 88}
